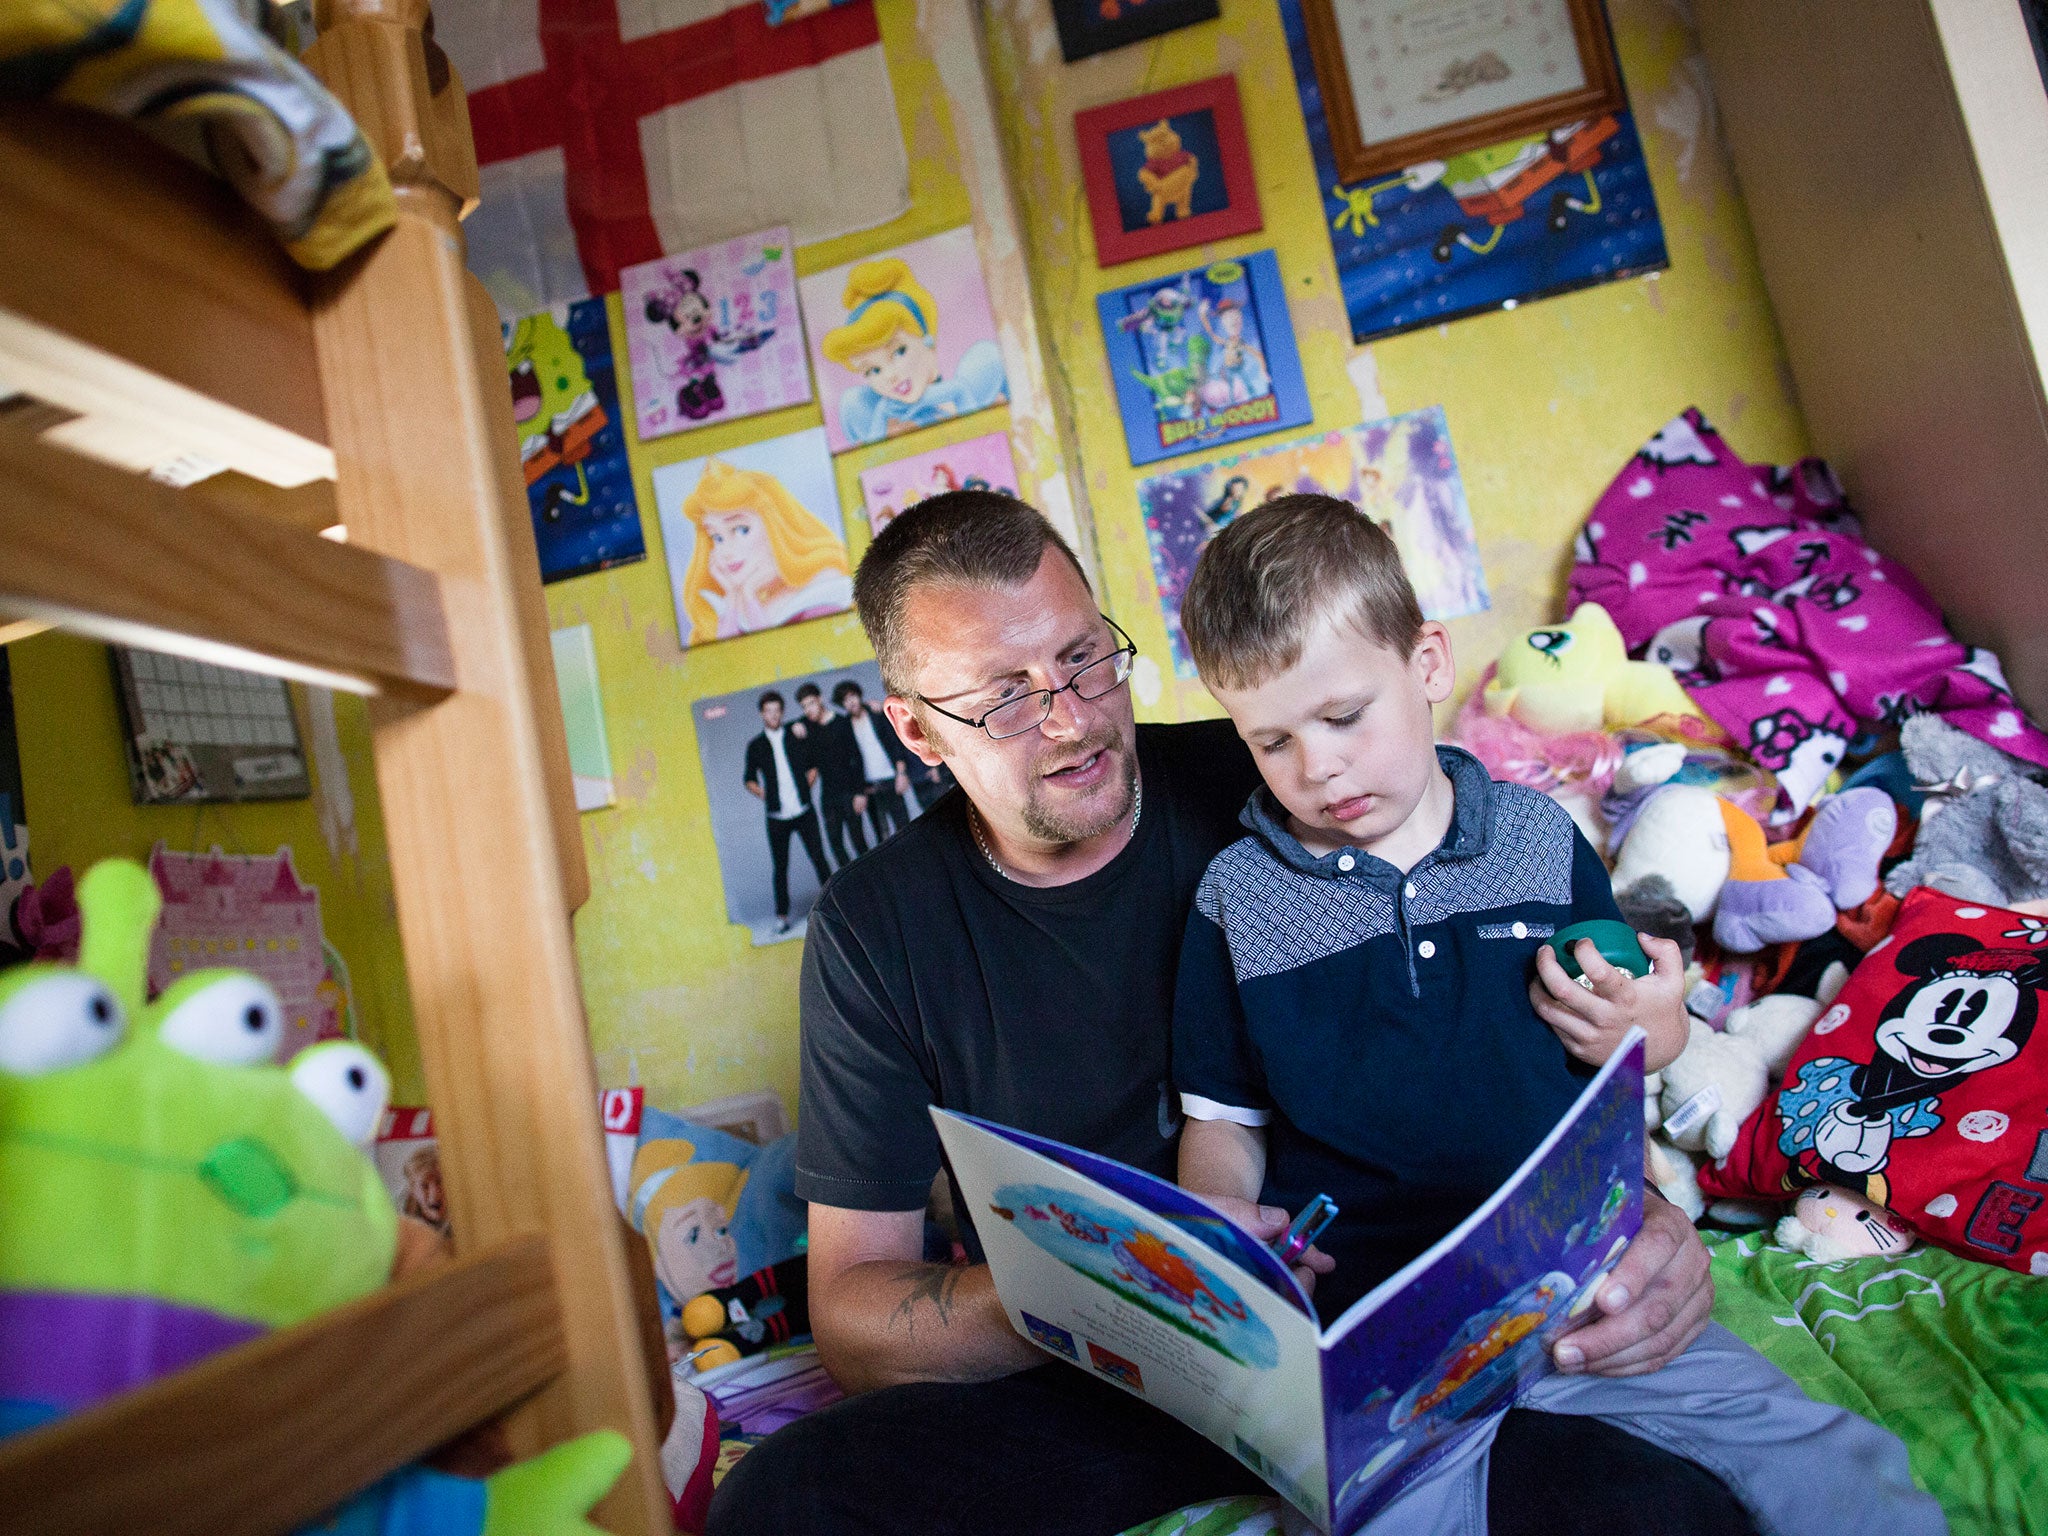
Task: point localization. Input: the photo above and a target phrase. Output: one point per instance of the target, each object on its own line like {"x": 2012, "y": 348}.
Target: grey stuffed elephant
{"x": 1984, "y": 829}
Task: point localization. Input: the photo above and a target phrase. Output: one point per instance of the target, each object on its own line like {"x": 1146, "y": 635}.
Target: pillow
{"x": 712, "y": 1206}
{"x": 1922, "y": 1088}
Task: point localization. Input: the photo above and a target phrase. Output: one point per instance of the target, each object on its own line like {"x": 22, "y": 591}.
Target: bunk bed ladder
{"x": 431, "y": 608}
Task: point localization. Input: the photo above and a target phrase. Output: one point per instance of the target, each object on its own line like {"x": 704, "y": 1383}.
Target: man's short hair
{"x": 770, "y": 697}
{"x": 848, "y": 689}
{"x": 962, "y": 538}
{"x": 1274, "y": 573}
{"x": 807, "y": 691}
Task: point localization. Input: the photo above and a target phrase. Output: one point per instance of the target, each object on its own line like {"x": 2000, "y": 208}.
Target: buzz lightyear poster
{"x": 1534, "y": 216}
{"x": 572, "y": 442}
{"x": 1203, "y": 357}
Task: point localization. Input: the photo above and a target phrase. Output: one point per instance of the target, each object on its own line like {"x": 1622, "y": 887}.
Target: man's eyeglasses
{"x": 1028, "y": 711}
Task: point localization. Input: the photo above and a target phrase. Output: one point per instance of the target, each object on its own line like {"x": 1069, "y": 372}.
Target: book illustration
{"x": 1139, "y": 1265}
{"x": 1173, "y": 1302}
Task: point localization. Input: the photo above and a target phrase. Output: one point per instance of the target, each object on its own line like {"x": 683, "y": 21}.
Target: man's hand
{"x": 1591, "y": 1023}
{"x": 1655, "y": 1303}
{"x": 1267, "y": 1222}
{"x": 860, "y": 805}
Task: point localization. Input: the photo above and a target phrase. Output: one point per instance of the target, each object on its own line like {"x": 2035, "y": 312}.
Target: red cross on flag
{"x": 610, "y": 132}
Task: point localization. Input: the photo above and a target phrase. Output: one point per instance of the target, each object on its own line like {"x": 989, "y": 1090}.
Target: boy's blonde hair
{"x": 1268, "y": 579}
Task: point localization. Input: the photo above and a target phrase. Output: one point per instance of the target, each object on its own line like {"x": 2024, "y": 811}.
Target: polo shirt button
{"x": 1346, "y": 862}
{"x": 1409, "y": 890}
{"x": 1426, "y": 949}
{"x": 1520, "y": 930}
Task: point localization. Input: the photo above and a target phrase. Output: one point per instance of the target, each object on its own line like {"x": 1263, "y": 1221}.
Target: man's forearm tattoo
{"x": 934, "y": 1283}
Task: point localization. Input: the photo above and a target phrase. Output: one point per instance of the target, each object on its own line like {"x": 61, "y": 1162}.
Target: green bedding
{"x": 1949, "y": 1354}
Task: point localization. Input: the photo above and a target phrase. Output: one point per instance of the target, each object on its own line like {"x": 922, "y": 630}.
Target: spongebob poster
{"x": 1400, "y": 472}
{"x": 1492, "y": 227}
{"x": 1204, "y": 357}
{"x": 572, "y": 443}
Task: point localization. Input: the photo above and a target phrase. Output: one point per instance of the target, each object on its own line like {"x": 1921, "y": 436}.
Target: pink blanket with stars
{"x": 1754, "y": 584}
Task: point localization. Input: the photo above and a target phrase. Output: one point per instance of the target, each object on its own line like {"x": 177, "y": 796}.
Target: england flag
{"x": 610, "y": 132}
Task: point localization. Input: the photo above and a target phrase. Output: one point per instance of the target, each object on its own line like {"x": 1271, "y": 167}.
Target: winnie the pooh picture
{"x": 1169, "y": 172}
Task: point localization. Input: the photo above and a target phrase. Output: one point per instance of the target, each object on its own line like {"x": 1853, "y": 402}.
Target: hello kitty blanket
{"x": 1753, "y": 583}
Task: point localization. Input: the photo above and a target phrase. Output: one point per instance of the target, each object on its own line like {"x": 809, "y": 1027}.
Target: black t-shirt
{"x": 929, "y": 978}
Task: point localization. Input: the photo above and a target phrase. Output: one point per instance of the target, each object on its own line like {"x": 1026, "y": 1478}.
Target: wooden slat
{"x": 122, "y": 558}
{"x": 533, "y": 607}
{"x": 265, "y": 1437}
{"x": 139, "y": 291}
{"x": 474, "y": 859}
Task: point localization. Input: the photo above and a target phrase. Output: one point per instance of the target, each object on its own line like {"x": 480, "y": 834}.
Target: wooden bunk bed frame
{"x": 150, "y": 316}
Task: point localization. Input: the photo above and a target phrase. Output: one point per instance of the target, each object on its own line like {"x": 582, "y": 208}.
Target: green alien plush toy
{"x": 167, "y": 1192}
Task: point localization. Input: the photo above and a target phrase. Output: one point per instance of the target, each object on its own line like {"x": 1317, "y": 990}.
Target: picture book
{"x": 1204, "y": 357}
{"x": 713, "y": 334}
{"x": 1133, "y": 1279}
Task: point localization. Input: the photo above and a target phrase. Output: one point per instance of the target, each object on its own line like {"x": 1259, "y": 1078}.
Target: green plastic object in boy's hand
{"x": 1616, "y": 942}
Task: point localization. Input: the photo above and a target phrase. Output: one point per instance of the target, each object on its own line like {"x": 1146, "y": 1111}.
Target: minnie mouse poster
{"x": 1969, "y": 1009}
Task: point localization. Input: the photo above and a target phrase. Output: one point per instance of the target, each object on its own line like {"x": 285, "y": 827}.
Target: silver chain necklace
{"x": 974, "y": 825}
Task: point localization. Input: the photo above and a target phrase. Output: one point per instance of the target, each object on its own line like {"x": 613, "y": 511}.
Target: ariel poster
{"x": 754, "y": 538}
{"x": 979, "y": 464}
{"x": 712, "y": 334}
{"x": 1400, "y": 472}
{"x": 903, "y": 340}
{"x": 572, "y": 441}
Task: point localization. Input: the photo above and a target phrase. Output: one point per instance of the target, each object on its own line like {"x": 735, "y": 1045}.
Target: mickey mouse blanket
{"x": 1923, "y": 1088}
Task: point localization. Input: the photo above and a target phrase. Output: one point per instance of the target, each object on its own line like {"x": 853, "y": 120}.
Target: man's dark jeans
{"x": 1055, "y": 1452}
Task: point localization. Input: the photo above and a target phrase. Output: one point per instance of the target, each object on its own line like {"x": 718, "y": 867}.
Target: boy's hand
{"x": 1267, "y": 1222}
{"x": 1592, "y": 1022}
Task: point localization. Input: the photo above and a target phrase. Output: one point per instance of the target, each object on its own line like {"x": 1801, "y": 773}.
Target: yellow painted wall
{"x": 1544, "y": 402}
{"x": 74, "y": 773}
{"x": 679, "y": 999}
{"x": 1543, "y": 405}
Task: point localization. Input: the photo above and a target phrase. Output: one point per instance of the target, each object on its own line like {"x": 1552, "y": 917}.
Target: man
{"x": 772, "y": 778}
{"x": 832, "y": 767}
{"x": 884, "y": 765}
{"x": 1012, "y": 954}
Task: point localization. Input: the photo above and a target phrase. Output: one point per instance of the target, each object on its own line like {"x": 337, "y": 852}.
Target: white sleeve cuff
{"x": 1195, "y": 1107}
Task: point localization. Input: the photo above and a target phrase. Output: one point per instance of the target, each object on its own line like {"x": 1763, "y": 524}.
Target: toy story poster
{"x": 1535, "y": 216}
{"x": 979, "y": 464}
{"x": 1401, "y": 473}
{"x": 754, "y": 538}
{"x": 903, "y": 340}
{"x": 1203, "y": 358}
{"x": 713, "y": 334}
{"x": 572, "y": 443}
{"x": 1339, "y": 1420}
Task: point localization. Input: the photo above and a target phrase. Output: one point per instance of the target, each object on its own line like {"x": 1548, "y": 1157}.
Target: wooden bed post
{"x": 417, "y": 437}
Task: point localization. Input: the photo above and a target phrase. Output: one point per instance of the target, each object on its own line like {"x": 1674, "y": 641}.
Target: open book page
{"x": 1424, "y": 1360}
{"x": 1127, "y": 1291}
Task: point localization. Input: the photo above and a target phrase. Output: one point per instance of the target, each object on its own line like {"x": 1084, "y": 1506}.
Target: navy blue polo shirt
{"x": 1378, "y": 1024}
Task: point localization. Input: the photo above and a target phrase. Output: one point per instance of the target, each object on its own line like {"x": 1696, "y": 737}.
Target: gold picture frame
{"x": 1407, "y": 62}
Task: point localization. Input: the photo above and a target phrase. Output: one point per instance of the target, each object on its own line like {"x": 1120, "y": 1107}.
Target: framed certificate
{"x": 1405, "y": 82}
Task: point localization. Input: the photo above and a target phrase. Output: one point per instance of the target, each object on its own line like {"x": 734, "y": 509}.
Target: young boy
{"x": 1364, "y": 994}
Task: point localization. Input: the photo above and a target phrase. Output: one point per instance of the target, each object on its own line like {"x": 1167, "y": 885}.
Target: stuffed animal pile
{"x": 1841, "y": 815}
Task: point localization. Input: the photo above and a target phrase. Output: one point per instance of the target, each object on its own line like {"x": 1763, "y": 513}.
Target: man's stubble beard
{"x": 1049, "y": 825}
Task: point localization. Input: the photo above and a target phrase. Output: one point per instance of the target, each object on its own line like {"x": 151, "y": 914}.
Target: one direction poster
{"x": 754, "y": 538}
{"x": 804, "y": 775}
{"x": 1401, "y": 473}
{"x": 903, "y": 340}
{"x": 979, "y": 464}
{"x": 1524, "y": 219}
{"x": 572, "y": 443}
{"x": 1203, "y": 358}
{"x": 713, "y": 334}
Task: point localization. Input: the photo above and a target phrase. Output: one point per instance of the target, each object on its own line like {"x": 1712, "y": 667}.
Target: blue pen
{"x": 1315, "y": 1217}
